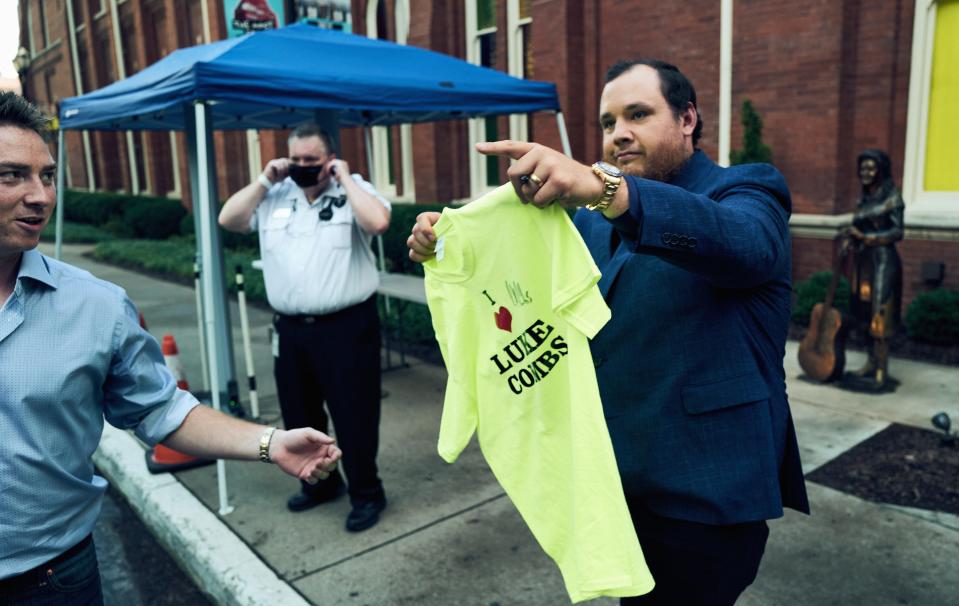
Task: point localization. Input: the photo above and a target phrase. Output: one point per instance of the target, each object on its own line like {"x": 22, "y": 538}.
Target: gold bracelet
{"x": 265, "y": 439}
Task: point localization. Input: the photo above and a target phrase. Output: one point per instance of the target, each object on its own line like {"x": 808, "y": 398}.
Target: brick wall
{"x": 786, "y": 61}
{"x": 914, "y": 253}
{"x": 811, "y": 255}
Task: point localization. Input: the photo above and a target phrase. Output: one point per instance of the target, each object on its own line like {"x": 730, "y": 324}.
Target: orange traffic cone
{"x": 161, "y": 458}
{"x": 171, "y": 355}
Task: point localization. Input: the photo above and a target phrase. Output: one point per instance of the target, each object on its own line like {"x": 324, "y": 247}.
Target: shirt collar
{"x": 33, "y": 265}
{"x": 693, "y": 169}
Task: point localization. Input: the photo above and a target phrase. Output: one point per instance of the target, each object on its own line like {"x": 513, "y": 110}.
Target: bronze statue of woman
{"x": 877, "y": 225}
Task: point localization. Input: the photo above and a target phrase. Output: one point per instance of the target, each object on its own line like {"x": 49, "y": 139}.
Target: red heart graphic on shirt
{"x": 504, "y": 319}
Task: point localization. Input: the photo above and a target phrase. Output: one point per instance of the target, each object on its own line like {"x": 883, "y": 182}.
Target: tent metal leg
{"x": 227, "y": 384}
{"x": 564, "y": 137}
{"x": 205, "y": 212}
{"x": 61, "y": 187}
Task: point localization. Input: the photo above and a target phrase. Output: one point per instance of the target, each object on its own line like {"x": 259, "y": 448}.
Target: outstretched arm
{"x": 559, "y": 180}
{"x": 304, "y": 453}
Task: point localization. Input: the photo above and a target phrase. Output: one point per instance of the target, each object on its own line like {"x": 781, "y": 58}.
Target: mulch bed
{"x": 900, "y": 465}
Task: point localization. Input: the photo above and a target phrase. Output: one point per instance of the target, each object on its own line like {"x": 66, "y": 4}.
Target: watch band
{"x": 265, "y": 438}
{"x": 610, "y": 185}
{"x": 265, "y": 181}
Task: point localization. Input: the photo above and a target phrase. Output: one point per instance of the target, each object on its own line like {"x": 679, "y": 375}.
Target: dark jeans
{"x": 335, "y": 359}
{"x": 70, "y": 579}
{"x": 697, "y": 564}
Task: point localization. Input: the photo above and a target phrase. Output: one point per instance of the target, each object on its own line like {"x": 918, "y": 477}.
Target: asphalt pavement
{"x": 451, "y": 536}
{"x": 132, "y": 561}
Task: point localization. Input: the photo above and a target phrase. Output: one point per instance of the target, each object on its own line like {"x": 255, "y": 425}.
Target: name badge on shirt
{"x": 282, "y": 213}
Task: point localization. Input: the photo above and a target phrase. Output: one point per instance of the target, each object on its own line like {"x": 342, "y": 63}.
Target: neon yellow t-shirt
{"x": 513, "y": 297}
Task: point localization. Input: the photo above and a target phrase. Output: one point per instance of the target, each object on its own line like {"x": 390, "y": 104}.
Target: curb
{"x": 221, "y": 565}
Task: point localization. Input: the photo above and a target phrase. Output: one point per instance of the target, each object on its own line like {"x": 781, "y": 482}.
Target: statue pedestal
{"x": 854, "y": 382}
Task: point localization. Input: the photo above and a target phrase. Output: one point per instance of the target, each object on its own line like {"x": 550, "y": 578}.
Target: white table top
{"x": 397, "y": 286}
{"x": 402, "y": 286}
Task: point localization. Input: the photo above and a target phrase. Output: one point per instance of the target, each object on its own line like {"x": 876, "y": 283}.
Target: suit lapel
{"x": 611, "y": 269}
{"x": 609, "y": 262}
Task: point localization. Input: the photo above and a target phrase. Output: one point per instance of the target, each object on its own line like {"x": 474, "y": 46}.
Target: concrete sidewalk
{"x": 450, "y": 536}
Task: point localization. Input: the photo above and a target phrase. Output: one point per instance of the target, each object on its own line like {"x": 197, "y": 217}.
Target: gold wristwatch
{"x": 612, "y": 177}
{"x": 265, "y": 440}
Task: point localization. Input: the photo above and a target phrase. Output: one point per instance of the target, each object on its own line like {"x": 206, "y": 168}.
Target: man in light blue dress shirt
{"x": 71, "y": 354}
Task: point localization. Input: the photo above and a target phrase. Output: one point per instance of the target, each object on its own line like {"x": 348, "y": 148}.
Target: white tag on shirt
{"x": 275, "y": 343}
{"x": 440, "y": 248}
{"x": 282, "y": 213}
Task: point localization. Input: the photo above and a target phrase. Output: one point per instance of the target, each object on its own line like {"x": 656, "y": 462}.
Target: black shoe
{"x": 302, "y": 501}
{"x": 365, "y": 515}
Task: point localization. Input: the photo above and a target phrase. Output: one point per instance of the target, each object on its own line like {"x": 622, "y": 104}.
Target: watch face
{"x": 609, "y": 169}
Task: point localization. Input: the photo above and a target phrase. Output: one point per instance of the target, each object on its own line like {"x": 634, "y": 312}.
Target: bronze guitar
{"x": 822, "y": 352}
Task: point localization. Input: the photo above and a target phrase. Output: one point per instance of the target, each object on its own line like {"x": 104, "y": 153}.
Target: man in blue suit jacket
{"x": 696, "y": 270}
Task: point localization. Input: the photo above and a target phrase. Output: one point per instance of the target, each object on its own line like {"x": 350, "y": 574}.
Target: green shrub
{"x": 188, "y": 225}
{"x": 93, "y": 208}
{"x": 934, "y": 317}
{"x": 416, "y": 321}
{"x": 813, "y": 291}
{"x": 153, "y": 218}
{"x": 124, "y": 215}
{"x": 173, "y": 259}
{"x": 76, "y": 233}
{"x": 754, "y": 150}
{"x": 247, "y": 242}
{"x": 395, "y": 251}
{"x": 252, "y": 278}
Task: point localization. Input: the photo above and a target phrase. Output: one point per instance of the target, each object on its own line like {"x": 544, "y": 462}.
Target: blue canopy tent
{"x": 276, "y": 79}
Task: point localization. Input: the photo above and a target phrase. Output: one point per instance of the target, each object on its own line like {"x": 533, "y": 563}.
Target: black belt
{"x": 299, "y": 319}
{"x": 30, "y": 577}
{"x": 312, "y": 319}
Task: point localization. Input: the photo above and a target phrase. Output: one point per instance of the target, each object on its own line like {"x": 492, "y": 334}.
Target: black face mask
{"x": 305, "y": 176}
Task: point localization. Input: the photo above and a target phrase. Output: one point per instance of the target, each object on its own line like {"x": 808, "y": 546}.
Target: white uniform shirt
{"x": 312, "y": 266}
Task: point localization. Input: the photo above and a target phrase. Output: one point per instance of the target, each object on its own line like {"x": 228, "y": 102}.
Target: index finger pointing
{"x": 508, "y": 148}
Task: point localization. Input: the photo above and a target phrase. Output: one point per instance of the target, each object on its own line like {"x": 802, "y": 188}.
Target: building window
{"x": 79, "y": 15}
{"x": 481, "y": 50}
{"x": 518, "y": 21}
{"x": 44, "y": 36}
{"x": 930, "y": 181}
{"x": 51, "y": 107}
{"x": 392, "y": 145}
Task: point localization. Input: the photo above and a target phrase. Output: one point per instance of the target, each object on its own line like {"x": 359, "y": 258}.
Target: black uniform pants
{"x": 335, "y": 358}
{"x": 697, "y": 564}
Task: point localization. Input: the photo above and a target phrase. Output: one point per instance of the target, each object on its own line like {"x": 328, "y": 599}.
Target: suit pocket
{"x": 743, "y": 389}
